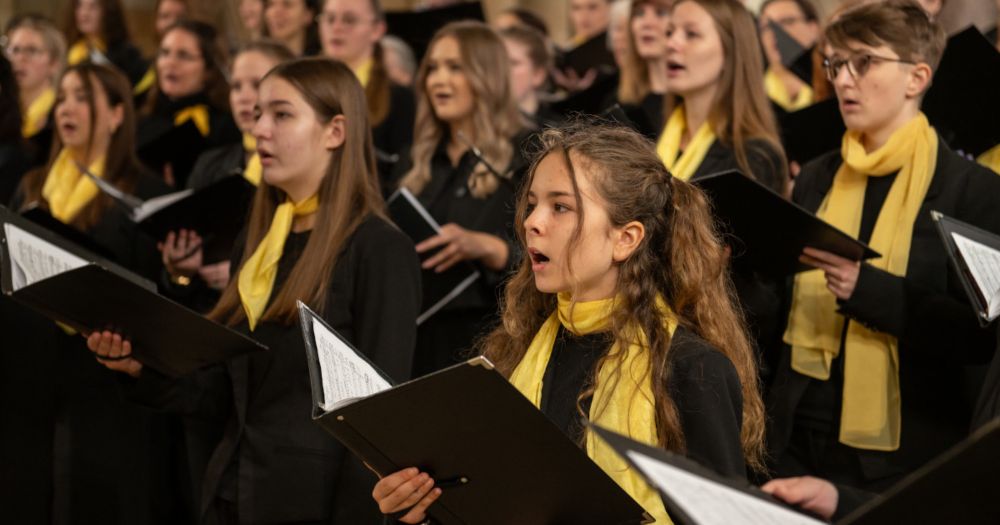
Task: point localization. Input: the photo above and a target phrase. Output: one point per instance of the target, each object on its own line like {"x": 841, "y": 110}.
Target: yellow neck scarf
{"x": 38, "y": 113}
{"x": 870, "y": 417}
{"x": 991, "y": 159}
{"x": 253, "y": 170}
{"x": 146, "y": 82}
{"x": 364, "y": 71}
{"x": 68, "y": 191}
{"x": 259, "y": 271}
{"x": 778, "y": 92}
{"x": 683, "y": 165}
{"x": 623, "y": 397}
{"x": 197, "y": 113}
{"x": 80, "y": 50}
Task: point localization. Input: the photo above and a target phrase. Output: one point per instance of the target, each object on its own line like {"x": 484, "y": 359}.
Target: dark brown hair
{"x": 538, "y": 48}
{"x": 681, "y": 259}
{"x": 267, "y": 47}
{"x": 808, "y": 9}
{"x": 121, "y": 168}
{"x": 216, "y": 59}
{"x": 633, "y": 85}
{"x": 113, "y": 29}
{"x": 348, "y": 194}
{"x": 902, "y": 25}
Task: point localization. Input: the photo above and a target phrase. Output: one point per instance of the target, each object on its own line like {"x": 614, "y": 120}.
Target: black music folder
{"x": 769, "y": 230}
{"x": 975, "y": 254}
{"x": 794, "y": 56}
{"x": 36, "y": 214}
{"x": 416, "y": 222}
{"x": 217, "y": 212}
{"x": 42, "y": 272}
{"x": 159, "y": 142}
{"x": 498, "y": 459}
{"x": 695, "y": 495}
{"x": 811, "y": 131}
{"x": 959, "y": 486}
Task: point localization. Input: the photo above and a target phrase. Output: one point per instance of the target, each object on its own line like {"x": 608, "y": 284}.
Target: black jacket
{"x": 395, "y": 132}
{"x": 926, "y": 310}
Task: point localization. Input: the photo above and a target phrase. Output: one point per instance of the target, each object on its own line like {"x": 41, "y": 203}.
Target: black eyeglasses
{"x": 857, "y": 64}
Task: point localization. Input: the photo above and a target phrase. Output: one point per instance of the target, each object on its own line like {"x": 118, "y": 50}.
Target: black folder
{"x": 97, "y": 295}
{"x": 411, "y": 217}
{"x": 769, "y": 231}
{"x": 217, "y": 212}
{"x": 691, "y": 489}
{"x": 794, "y": 56}
{"x": 77, "y": 238}
{"x": 417, "y": 28}
{"x": 959, "y": 486}
{"x": 159, "y": 142}
{"x": 594, "y": 53}
{"x": 811, "y": 131}
{"x": 978, "y": 297}
{"x": 468, "y": 427}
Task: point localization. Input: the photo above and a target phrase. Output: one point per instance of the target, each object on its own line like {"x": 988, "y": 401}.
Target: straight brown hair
{"x": 113, "y": 30}
{"x": 348, "y": 195}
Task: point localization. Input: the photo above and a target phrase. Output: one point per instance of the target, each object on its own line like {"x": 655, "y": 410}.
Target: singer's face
{"x": 248, "y": 68}
{"x": 180, "y": 67}
{"x": 447, "y": 84}
{"x": 73, "y": 116}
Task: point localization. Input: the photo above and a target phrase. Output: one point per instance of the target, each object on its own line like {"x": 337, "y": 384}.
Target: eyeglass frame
{"x": 832, "y": 66}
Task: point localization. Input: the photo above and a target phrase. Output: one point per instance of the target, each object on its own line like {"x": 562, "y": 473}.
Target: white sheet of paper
{"x": 984, "y": 265}
{"x": 156, "y": 204}
{"x": 711, "y": 503}
{"x": 34, "y": 259}
{"x": 345, "y": 374}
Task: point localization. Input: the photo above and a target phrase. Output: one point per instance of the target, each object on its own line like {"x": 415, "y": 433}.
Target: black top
{"x": 127, "y": 58}
{"x": 273, "y": 461}
{"x": 216, "y": 164}
{"x": 13, "y": 165}
{"x": 703, "y": 384}
{"x": 392, "y": 135}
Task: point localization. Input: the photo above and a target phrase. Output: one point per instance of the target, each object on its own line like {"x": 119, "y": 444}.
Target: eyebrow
{"x": 279, "y": 102}
{"x": 552, "y": 194}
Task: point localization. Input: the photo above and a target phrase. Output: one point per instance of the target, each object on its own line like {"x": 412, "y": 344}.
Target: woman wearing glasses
{"x": 350, "y": 31}
{"x": 36, "y": 48}
{"x": 870, "y": 381}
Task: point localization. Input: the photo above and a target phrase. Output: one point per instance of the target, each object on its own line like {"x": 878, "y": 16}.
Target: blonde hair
{"x": 55, "y": 44}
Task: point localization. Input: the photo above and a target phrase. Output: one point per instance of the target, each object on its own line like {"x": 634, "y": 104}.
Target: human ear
{"x": 627, "y": 240}
{"x": 919, "y": 80}
{"x": 335, "y": 132}
{"x": 117, "y": 116}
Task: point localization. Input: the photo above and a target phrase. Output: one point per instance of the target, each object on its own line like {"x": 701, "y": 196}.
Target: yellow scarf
{"x": 870, "y": 417}
{"x": 198, "y": 114}
{"x": 259, "y": 271}
{"x": 80, "y": 50}
{"x": 991, "y": 159}
{"x": 364, "y": 71}
{"x": 683, "y": 165}
{"x": 253, "y": 170}
{"x": 623, "y": 404}
{"x": 778, "y": 92}
{"x": 146, "y": 82}
{"x": 66, "y": 189}
{"x": 37, "y": 113}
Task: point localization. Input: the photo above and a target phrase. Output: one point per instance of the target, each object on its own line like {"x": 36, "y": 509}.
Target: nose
{"x": 533, "y": 223}
{"x": 843, "y": 77}
{"x": 262, "y": 128}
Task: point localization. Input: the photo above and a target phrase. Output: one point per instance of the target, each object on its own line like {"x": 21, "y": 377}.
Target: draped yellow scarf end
{"x": 37, "y": 113}
{"x": 668, "y": 148}
{"x": 778, "y": 92}
{"x": 254, "y": 169}
{"x": 198, "y": 114}
{"x": 68, "y": 191}
{"x": 81, "y": 49}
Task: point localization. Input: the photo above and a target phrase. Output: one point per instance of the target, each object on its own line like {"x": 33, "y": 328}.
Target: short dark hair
{"x": 808, "y": 9}
{"x": 900, "y": 24}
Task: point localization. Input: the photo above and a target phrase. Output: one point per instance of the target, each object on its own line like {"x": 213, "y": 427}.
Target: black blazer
{"x": 127, "y": 58}
{"x": 926, "y": 310}
{"x": 285, "y": 467}
{"x": 216, "y": 164}
{"x": 395, "y": 132}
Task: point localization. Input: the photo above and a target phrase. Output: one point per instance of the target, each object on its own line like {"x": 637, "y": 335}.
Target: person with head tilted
{"x": 36, "y": 50}
{"x": 291, "y": 23}
{"x": 621, "y": 268}
{"x": 191, "y": 278}
{"x": 95, "y": 30}
{"x": 463, "y": 98}
{"x": 871, "y": 377}
{"x": 530, "y": 62}
{"x": 800, "y": 20}
{"x": 111, "y": 459}
{"x": 349, "y": 32}
{"x": 642, "y": 84}
{"x": 317, "y": 233}
{"x": 190, "y": 93}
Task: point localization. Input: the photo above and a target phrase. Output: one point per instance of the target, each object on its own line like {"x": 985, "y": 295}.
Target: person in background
{"x": 251, "y": 13}
{"x": 642, "y": 84}
{"x": 96, "y": 30}
{"x": 13, "y": 160}
{"x": 168, "y": 13}
{"x": 292, "y": 23}
{"x": 800, "y": 20}
{"x": 530, "y": 63}
{"x": 400, "y": 63}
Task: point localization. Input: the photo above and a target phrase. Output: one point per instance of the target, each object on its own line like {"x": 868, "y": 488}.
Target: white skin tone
{"x": 589, "y": 17}
{"x": 792, "y": 20}
{"x": 287, "y": 21}
{"x": 33, "y": 64}
{"x": 180, "y": 67}
{"x": 812, "y": 494}
{"x": 169, "y": 12}
{"x": 248, "y": 69}
{"x": 453, "y": 102}
{"x": 88, "y": 18}
{"x": 618, "y": 31}
{"x": 394, "y": 67}
{"x": 506, "y": 21}
{"x": 295, "y": 151}
{"x": 649, "y": 34}
{"x": 72, "y": 119}
{"x": 933, "y": 7}
{"x": 548, "y": 228}
{"x": 877, "y": 104}
{"x": 348, "y": 31}
{"x": 526, "y": 78}
{"x": 695, "y": 60}
{"x": 251, "y": 14}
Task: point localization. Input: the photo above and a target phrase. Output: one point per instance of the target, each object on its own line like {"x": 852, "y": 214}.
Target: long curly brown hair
{"x": 681, "y": 259}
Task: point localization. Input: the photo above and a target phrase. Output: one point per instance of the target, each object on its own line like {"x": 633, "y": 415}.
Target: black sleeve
{"x": 706, "y": 390}
{"x": 403, "y": 113}
{"x": 387, "y": 298}
{"x": 205, "y": 394}
{"x": 850, "y": 499}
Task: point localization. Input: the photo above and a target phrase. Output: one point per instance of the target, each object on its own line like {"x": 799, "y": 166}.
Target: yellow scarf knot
{"x": 68, "y": 191}
{"x": 254, "y": 168}
{"x": 870, "y": 415}
{"x": 81, "y": 50}
{"x": 256, "y": 279}
{"x": 683, "y": 165}
{"x": 778, "y": 92}
{"x": 37, "y": 113}
{"x": 198, "y": 114}
{"x": 991, "y": 159}
{"x": 623, "y": 393}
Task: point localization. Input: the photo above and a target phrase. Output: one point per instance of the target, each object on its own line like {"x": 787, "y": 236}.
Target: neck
{"x": 529, "y": 104}
{"x": 696, "y": 109}
{"x": 657, "y": 69}
{"x": 83, "y": 157}
{"x": 465, "y": 128}
{"x": 875, "y": 139}
{"x": 29, "y": 96}
{"x": 296, "y": 43}
{"x": 360, "y": 61}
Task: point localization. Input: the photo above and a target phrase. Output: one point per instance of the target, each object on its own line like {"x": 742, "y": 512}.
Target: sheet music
{"x": 154, "y": 205}
{"x": 33, "y": 259}
{"x": 984, "y": 265}
{"x": 344, "y": 373}
{"x": 710, "y": 503}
